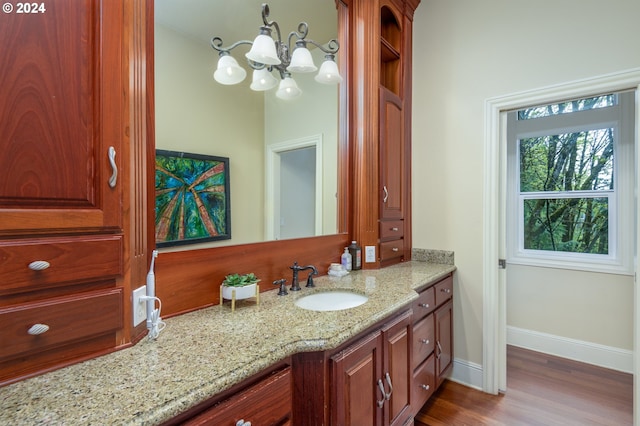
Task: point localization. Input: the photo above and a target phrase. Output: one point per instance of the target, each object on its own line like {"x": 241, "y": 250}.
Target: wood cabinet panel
{"x": 425, "y": 304}
{"x": 57, "y": 125}
{"x": 444, "y": 290}
{"x": 444, "y": 342}
{"x": 266, "y": 403}
{"x": 356, "y": 372}
{"x": 71, "y": 259}
{"x": 391, "y": 250}
{"x": 398, "y": 368}
{"x": 424, "y": 339}
{"x": 69, "y": 319}
{"x": 391, "y": 230}
{"x": 424, "y": 382}
{"x": 392, "y": 161}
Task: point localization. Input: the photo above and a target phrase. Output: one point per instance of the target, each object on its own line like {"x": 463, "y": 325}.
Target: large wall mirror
{"x": 283, "y": 154}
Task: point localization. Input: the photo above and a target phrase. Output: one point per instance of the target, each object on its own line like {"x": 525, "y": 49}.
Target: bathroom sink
{"x": 331, "y": 301}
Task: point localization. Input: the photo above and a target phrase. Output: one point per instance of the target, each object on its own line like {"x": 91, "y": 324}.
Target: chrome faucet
{"x": 295, "y": 286}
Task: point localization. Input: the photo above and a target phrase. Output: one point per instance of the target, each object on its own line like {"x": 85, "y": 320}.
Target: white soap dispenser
{"x": 346, "y": 259}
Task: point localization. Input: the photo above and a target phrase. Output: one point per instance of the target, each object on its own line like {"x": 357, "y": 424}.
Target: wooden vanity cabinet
{"x": 432, "y": 340}
{"x": 371, "y": 378}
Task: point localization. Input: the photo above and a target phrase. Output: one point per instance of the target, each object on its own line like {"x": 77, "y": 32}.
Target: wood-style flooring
{"x": 541, "y": 390}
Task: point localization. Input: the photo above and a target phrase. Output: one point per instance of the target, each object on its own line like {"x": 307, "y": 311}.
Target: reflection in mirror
{"x": 282, "y": 153}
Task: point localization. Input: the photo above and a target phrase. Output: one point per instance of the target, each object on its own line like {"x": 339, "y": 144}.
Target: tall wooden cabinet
{"x": 64, "y": 184}
{"x": 382, "y": 215}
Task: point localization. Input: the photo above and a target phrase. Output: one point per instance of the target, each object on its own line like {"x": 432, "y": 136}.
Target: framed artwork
{"x": 192, "y": 198}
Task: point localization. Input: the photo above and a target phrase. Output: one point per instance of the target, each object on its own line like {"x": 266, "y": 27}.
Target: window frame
{"x": 620, "y": 117}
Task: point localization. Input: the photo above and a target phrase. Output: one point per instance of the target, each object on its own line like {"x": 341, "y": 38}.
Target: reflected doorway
{"x": 294, "y": 180}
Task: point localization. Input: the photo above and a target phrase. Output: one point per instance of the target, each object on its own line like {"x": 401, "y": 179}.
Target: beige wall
{"x": 195, "y": 114}
{"x": 467, "y": 51}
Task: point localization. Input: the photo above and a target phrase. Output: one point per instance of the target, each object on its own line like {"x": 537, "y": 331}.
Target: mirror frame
{"x": 190, "y": 280}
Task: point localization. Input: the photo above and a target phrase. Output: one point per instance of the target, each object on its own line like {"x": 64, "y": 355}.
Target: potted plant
{"x": 236, "y": 286}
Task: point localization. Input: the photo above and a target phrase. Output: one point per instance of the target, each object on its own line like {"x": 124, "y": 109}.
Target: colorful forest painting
{"x": 192, "y": 198}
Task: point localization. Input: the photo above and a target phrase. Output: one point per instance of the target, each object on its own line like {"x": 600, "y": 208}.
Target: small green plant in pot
{"x": 235, "y": 287}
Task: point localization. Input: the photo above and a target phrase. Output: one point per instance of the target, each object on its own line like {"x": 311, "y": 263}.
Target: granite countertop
{"x": 202, "y": 353}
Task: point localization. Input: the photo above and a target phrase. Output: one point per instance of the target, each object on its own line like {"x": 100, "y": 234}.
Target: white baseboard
{"x": 578, "y": 350}
{"x": 466, "y": 373}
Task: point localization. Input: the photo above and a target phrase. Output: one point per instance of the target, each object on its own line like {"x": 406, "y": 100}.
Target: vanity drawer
{"x": 69, "y": 319}
{"x": 62, "y": 260}
{"x": 391, "y": 230}
{"x": 268, "y": 402}
{"x": 423, "y": 339}
{"x": 425, "y": 303}
{"x": 424, "y": 383}
{"x": 444, "y": 290}
{"x": 391, "y": 249}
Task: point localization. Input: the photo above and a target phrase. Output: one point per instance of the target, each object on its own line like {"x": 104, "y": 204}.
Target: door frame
{"x": 494, "y": 369}
{"x": 272, "y": 180}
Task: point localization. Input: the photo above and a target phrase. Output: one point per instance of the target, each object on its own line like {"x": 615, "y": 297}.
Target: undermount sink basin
{"x": 331, "y": 301}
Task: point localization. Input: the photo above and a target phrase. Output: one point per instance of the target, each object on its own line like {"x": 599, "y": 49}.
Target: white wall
{"x": 466, "y": 51}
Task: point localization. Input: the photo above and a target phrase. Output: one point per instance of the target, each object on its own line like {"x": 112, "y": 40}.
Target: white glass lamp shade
{"x": 328, "y": 73}
{"x": 263, "y": 50}
{"x": 229, "y": 72}
{"x": 263, "y": 80}
{"x": 288, "y": 89}
{"x": 301, "y": 61}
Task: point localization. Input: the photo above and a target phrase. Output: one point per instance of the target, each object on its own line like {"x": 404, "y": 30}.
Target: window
{"x": 570, "y": 167}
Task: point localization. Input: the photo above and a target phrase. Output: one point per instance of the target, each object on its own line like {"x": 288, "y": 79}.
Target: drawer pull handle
{"x": 387, "y": 396}
{"x": 395, "y": 249}
{"x": 425, "y": 387}
{"x": 445, "y": 290}
{"x": 39, "y": 265}
{"x": 112, "y": 160}
{"x": 381, "y": 387}
{"x": 37, "y": 329}
{"x": 425, "y": 341}
{"x": 439, "y": 354}
{"x": 424, "y": 305}
{"x": 394, "y": 229}
{"x": 385, "y": 197}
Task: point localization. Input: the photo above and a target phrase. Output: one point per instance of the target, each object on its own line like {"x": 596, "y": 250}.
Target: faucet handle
{"x": 283, "y": 286}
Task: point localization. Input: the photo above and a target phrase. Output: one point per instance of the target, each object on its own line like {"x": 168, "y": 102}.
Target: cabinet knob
{"x": 425, "y": 387}
{"x": 37, "y": 329}
{"x": 241, "y": 422}
{"x": 424, "y": 305}
{"x": 394, "y": 229}
{"x": 39, "y": 265}
{"x": 395, "y": 249}
{"x": 425, "y": 341}
{"x": 445, "y": 290}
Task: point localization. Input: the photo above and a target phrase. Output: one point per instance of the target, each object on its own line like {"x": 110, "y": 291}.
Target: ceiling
{"x": 234, "y": 20}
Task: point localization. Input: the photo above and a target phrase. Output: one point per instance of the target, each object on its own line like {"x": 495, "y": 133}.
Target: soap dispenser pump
{"x": 346, "y": 259}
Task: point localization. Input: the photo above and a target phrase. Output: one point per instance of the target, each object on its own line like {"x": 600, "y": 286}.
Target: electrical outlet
{"x": 369, "y": 254}
{"x": 139, "y": 307}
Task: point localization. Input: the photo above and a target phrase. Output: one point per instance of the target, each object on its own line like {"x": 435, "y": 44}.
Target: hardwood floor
{"x": 541, "y": 390}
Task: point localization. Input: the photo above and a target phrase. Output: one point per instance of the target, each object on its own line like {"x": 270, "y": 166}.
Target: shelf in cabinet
{"x": 388, "y": 53}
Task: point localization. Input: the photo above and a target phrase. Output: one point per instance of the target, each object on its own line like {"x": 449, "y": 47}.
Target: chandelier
{"x": 269, "y": 55}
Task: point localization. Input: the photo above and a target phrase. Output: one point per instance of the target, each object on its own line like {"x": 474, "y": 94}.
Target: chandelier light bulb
{"x": 288, "y": 89}
{"x": 263, "y": 80}
{"x": 263, "y": 49}
{"x": 328, "y": 73}
{"x": 301, "y": 60}
{"x": 228, "y": 71}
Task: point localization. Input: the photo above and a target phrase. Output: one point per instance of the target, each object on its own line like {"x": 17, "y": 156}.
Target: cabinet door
{"x": 398, "y": 371}
{"x": 61, "y": 78}
{"x": 392, "y": 155}
{"x": 444, "y": 340}
{"x": 357, "y": 398}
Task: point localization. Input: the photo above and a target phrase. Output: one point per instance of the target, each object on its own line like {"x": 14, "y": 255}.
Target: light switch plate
{"x": 369, "y": 254}
{"x": 139, "y": 307}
